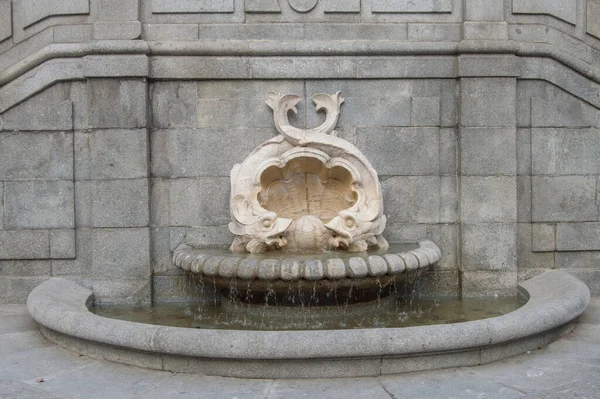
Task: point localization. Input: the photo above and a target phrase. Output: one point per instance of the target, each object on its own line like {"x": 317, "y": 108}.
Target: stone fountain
{"x": 306, "y": 207}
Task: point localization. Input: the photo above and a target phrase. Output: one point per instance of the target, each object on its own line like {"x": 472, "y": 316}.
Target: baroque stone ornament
{"x": 306, "y": 189}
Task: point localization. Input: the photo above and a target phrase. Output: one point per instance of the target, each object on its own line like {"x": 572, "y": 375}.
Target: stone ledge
{"x": 555, "y": 300}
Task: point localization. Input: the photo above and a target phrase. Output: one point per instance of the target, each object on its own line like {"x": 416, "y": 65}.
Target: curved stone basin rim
{"x": 555, "y": 299}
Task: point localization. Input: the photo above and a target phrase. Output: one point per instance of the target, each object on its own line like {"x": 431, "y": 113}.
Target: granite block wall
{"x": 120, "y": 122}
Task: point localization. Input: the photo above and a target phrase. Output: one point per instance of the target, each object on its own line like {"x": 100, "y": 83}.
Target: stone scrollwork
{"x": 306, "y": 189}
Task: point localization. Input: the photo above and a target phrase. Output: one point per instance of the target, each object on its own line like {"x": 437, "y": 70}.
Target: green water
{"x": 387, "y": 312}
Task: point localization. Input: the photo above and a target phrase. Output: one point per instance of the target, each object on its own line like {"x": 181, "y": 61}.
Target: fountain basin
{"x": 555, "y": 300}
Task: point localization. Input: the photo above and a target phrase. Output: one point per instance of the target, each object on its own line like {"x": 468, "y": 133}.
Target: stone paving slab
{"x": 30, "y": 367}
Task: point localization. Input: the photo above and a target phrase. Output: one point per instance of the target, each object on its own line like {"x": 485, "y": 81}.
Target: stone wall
{"x": 120, "y": 122}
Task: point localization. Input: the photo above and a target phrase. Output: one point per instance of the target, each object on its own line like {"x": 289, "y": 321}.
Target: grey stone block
{"x": 18, "y": 288}
{"x": 577, "y": 260}
{"x": 82, "y": 264}
{"x": 203, "y": 152}
{"x": 234, "y": 113}
{"x": 1, "y": 205}
{"x": 565, "y": 10}
{"x": 448, "y": 199}
{"x": 161, "y": 252}
{"x": 25, "y": 47}
{"x": 414, "y": 151}
{"x": 49, "y": 110}
{"x": 199, "y": 202}
{"x": 99, "y": 66}
{"x": 590, "y": 277}
{"x": 118, "y": 10}
{"x": 200, "y": 68}
{"x": 412, "y": 199}
{"x": 524, "y": 151}
{"x": 524, "y": 199}
{"x": 488, "y": 151}
{"x": 484, "y": 10}
{"x": 121, "y": 253}
{"x": 488, "y": 199}
{"x": 251, "y": 32}
{"x": 543, "y": 237}
{"x": 5, "y": 20}
{"x": 122, "y": 291}
{"x": 565, "y": 151}
{"x": 487, "y": 247}
{"x": 446, "y": 236}
{"x": 72, "y": 33}
{"x": 423, "y": 32}
{"x": 117, "y": 30}
{"x": 564, "y": 199}
{"x": 167, "y": 289}
{"x": 154, "y": 32}
{"x": 40, "y": 155}
{"x": 261, "y": 6}
{"x": 159, "y": 198}
{"x": 112, "y": 203}
{"x": 302, "y": 67}
{"x": 79, "y": 103}
{"x": 488, "y": 102}
{"x": 561, "y": 110}
{"x": 116, "y": 103}
{"x": 363, "y": 31}
{"x": 218, "y": 236}
{"x": 593, "y": 23}
{"x": 425, "y": 111}
{"x": 406, "y": 67}
{"x": 62, "y": 243}
{"x": 526, "y": 259}
{"x": 446, "y": 90}
{"x": 448, "y": 151}
{"x": 442, "y": 283}
{"x": 255, "y": 89}
{"x": 192, "y": 6}
{"x": 29, "y": 12}
{"x": 22, "y": 268}
{"x": 38, "y": 204}
{"x": 404, "y": 233}
{"x": 401, "y": 6}
{"x": 341, "y": 6}
{"x": 489, "y": 65}
{"x": 485, "y": 30}
{"x": 578, "y": 236}
{"x": 174, "y": 104}
{"x": 111, "y": 154}
{"x": 482, "y": 283}
{"x": 24, "y": 244}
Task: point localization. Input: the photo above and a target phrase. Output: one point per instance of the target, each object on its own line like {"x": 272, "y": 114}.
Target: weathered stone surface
{"x": 565, "y": 10}
{"x": 112, "y": 203}
{"x": 24, "y": 268}
{"x": 121, "y": 253}
{"x": 24, "y": 244}
{"x": 302, "y": 67}
{"x": 111, "y": 154}
{"x": 40, "y": 155}
{"x": 526, "y": 258}
{"x": 174, "y": 104}
{"x": 170, "y": 32}
{"x": 485, "y": 30}
{"x": 523, "y": 199}
{"x": 18, "y": 288}
{"x": 482, "y": 283}
{"x": 262, "y": 6}
{"x": 412, "y": 199}
{"x": 564, "y": 199}
{"x": 565, "y": 151}
{"x": 448, "y": 151}
{"x": 29, "y": 12}
{"x": 488, "y": 247}
{"x": 210, "y": 197}
{"x": 578, "y": 260}
{"x": 406, "y": 67}
{"x": 425, "y": 111}
{"x": 488, "y": 151}
{"x": 361, "y": 31}
{"x": 415, "y": 151}
{"x": 62, "y": 243}
{"x": 118, "y": 10}
{"x": 446, "y": 236}
{"x": 38, "y": 204}
{"x": 5, "y": 20}
{"x": 488, "y": 102}
{"x": 81, "y": 266}
{"x": 560, "y": 109}
{"x": 98, "y": 66}
{"x": 251, "y": 32}
{"x": 117, "y": 30}
{"x": 448, "y": 199}
{"x": 524, "y": 152}
{"x": 72, "y": 33}
{"x": 48, "y": 110}
{"x": 400, "y": 6}
{"x": 188, "y": 68}
{"x": 488, "y": 199}
{"x": 192, "y": 6}
{"x": 578, "y": 236}
{"x": 543, "y": 237}
{"x": 489, "y": 65}
{"x": 423, "y": 32}
{"x": 593, "y": 23}
{"x": 484, "y": 10}
{"x": 116, "y": 103}
{"x": 134, "y": 291}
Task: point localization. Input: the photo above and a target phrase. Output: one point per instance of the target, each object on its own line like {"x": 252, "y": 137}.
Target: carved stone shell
{"x": 307, "y": 234}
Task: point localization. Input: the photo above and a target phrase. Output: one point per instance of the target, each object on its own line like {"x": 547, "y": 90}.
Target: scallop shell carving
{"x": 307, "y": 233}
